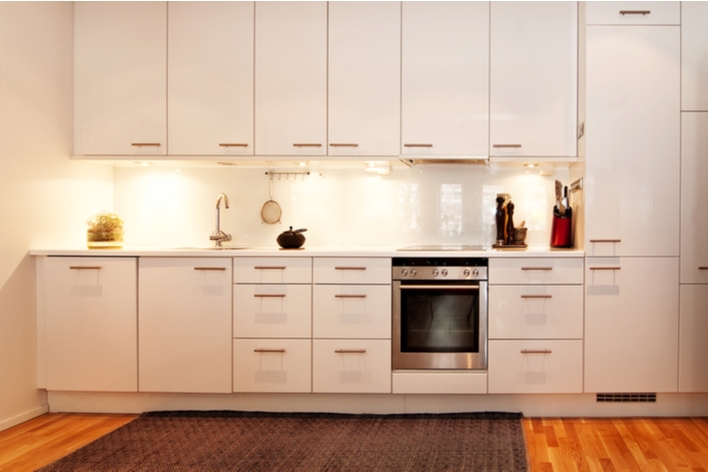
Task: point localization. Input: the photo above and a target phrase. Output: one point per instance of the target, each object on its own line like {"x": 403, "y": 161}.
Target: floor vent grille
{"x": 627, "y": 397}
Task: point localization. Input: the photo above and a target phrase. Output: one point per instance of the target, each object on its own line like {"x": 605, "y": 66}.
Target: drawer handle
{"x": 210, "y": 268}
{"x": 537, "y": 268}
{"x": 146, "y": 144}
{"x": 418, "y": 145}
{"x": 270, "y": 350}
{"x": 349, "y": 268}
{"x": 536, "y": 296}
{"x": 344, "y": 295}
{"x": 635, "y": 12}
{"x": 85, "y": 267}
{"x": 343, "y": 144}
{"x": 269, "y": 295}
{"x": 536, "y": 351}
{"x": 269, "y": 267}
{"x": 605, "y": 240}
{"x": 350, "y": 351}
{"x": 703, "y": 268}
{"x": 307, "y": 145}
{"x": 506, "y": 145}
{"x": 604, "y": 268}
{"x": 233, "y": 144}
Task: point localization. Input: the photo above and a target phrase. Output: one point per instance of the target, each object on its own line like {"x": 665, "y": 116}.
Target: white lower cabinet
{"x": 351, "y": 365}
{"x": 535, "y": 366}
{"x": 693, "y": 348}
{"x": 272, "y": 311}
{"x": 352, "y": 311}
{"x": 88, "y": 317}
{"x": 440, "y": 382}
{"x": 185, "y": 325}
{"x": 631, "y": 324}
{"x": 272, "y": 365}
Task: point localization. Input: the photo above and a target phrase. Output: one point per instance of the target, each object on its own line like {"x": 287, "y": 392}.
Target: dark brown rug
{"x": 246, "y": 441}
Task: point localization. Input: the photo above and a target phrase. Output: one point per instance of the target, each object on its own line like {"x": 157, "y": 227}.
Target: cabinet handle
{"x": 703, "y": 268}
{"x": 418, "y": 145}
{"x": 269, "y": 295}
{"x": 536, "y": 296}
{"x": 350, "y": 351}
{"x": 604, "y": 268}
{"x": 537, "y": 268}
{"x": 146, "y": 144}
{"x": 233, "y": 144}
{"x": 605, "y": 240}
{"x": 210, "y": 268}
{"x": 343, "y": 144}
{"x": 307, "y": 144}
{"x": 635, "y": 12}
{"x": 506, "y": 145}
{"x": 269, "y": 267}
{"x": 536, "y": 351}
{"x": 85, "y": 267}
{"x": 349, "y": 268}
{"x": 269, "y": 350}
{"x": 343, "y": 295}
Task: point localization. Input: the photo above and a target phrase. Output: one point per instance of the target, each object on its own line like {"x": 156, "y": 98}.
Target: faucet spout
{"x": 218, "y": 236}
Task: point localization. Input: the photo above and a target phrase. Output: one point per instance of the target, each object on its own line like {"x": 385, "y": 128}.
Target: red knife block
{"x": 562, "y": 229}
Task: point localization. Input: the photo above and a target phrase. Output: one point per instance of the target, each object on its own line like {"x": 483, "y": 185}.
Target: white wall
{"x": 44, "y": 198}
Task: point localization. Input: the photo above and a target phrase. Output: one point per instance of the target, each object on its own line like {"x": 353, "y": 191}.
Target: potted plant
{"x": 105, "y": 231}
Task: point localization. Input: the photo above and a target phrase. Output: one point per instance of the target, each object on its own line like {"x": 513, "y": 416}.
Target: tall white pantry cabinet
{"x": 632, "y": 197}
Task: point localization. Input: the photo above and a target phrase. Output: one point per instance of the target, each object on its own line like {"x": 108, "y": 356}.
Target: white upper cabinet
{"x": 632, "y": 141}
{"x": 694, "y": 195}
{"x": 633, "y": 13}
{"x": 534, "y": 79}
{"x": 364, "y": 78}
{"x": 210, "y": 78}
{"x": 120, "y": 70}
{"x": 291, "y": 78}
{"x": 694, "y": 56}
{"x": 445, "y": 79}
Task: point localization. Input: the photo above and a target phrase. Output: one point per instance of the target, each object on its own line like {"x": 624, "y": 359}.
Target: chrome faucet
{"x": 218, "y": 236}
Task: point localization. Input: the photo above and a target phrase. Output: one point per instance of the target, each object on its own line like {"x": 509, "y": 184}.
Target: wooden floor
{"x": 569, "y": 444}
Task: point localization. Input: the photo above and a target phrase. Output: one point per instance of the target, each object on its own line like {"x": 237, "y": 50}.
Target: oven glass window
{"x": 440, "y": 320}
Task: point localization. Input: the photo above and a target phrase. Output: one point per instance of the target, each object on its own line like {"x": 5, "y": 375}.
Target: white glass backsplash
{"x": 451, "y": 204}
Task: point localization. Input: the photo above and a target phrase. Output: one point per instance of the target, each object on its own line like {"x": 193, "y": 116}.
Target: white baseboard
{"x": 21, "y": 418}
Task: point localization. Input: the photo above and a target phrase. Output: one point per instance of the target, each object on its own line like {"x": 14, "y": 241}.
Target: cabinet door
{"x": 631, "y": 325}
{"x": 694, "y": 56}
{"x": 291, "y": 78}
{"x": 90, "y": 320}
{"x": 272, "y": 311}
{"x": 693, "y": 354}
{"x": 445, "y": 79}
{"x": 632, "y": 141}
{"x": 272, "y": 365}
{"x": 694, "y": 195}
{"x": 185, "y": 325}
{"x": 534, "y": 79}
{"x": 210, "y": 78}
{"x": 351, "y": 311}
{"x": 120, "y": 70}
{"x": 364, "y": 78}
{"x": 351, "y": 366}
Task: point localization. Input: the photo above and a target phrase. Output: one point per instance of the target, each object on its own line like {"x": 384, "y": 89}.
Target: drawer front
{"x": 541, "y": 366}
{"x": 351, "y": 366}
{"x": 272, "y": 365}
{"x": 351, "y": 311}
{"x": 536, "y": 311}
{"x": 439, "y": 382}
{"x": 633, "y": 13}
{"x": 272, "y": 270}
{"x": 272, "y": 311}
{"x": 528, "y": 271}
{"x": 352, "y": 270}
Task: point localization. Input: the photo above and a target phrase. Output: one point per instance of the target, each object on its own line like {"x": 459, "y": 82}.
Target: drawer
{"x": 535, "y": 311}
{"x": 272, "y": 311}
{"x": 529, "y": 270}
{"x": 272, "y": 270}
{"x": 458, "y": 382}
{"x": 352, "y": 270}
{"x": 539, "y": 366}
{"x": 272, "y": 365}
{"x": 351, "y": 366}
{"x": 633, "y": 13}
{"x": 351, "y": 311}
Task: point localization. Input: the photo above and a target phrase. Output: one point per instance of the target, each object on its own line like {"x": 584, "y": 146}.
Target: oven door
{"x": 439, "y": 326}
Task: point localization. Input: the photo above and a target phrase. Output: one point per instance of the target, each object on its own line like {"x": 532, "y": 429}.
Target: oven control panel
{"x": 440, "y": 269}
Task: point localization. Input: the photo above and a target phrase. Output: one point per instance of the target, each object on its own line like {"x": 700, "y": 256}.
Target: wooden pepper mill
{"x": 510, "y": 223}
{"x": 499, "y": 218}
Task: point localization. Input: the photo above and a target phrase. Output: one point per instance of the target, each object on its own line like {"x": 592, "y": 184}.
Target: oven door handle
{"x": 438, "y": 287}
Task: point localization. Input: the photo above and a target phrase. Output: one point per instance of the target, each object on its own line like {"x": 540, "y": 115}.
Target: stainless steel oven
{"x": 439, "y": 313}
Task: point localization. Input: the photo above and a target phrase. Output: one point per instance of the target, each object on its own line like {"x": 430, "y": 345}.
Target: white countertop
{"x": 318, "y": 251}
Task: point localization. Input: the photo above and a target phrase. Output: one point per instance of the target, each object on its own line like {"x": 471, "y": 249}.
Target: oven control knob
{"x": 404, "y": 272}
{"x": 475, "y": 272}
{"x": 414, "y": 272}
{"x": 444, "y": 272}
{"x": 435, "y": 272}
{"x": 466, "y": 272}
